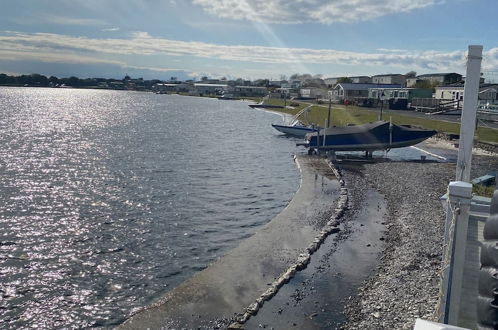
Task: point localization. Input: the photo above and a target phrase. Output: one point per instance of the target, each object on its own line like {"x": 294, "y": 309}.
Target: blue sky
{"x": 243, "y": 38}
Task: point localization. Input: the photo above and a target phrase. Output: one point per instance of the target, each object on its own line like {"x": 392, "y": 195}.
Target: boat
{"x": 264, "y": 105}
{"x": 296, "y": 128}
{"x": 227, "y": 96}
{"x": 380, "y": 135}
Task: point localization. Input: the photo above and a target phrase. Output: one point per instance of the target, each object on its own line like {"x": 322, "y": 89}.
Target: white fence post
{"x": 459, "y": 197}
{"x": 468, "y": 119}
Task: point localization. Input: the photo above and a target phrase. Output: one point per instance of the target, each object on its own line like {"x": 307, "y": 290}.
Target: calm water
{"x": 110, "y": 199}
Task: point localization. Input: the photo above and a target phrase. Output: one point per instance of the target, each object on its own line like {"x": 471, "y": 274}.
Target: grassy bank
{"x": 342, "y": 116}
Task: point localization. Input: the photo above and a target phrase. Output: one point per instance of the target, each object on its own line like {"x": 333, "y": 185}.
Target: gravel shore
{"x": 406, "y": 284}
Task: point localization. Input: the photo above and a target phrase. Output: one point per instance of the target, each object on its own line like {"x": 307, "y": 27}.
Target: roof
{"x": 210, "y": 85}
{"x": 251, "y": 87}
{"x": 437, "y": 74}
{"x": 387, "y": 75}
{"x": 367, "y": 86}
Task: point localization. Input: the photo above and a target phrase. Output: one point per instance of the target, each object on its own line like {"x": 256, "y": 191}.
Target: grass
{"x": 485, "y": 191}
{"x": 342, "y": 116}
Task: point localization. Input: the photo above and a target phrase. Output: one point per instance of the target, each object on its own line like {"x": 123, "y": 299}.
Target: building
{"x": 249, "y": 91}
{"x": 170, "y": 88}
{"x": 331, "y": 82}
{"x": 399, "y": 93}
{"x": 487, "y": 93}
{"x": 397, "y": 98}
{"x": 441, "y": 78}
{"x": 410, "y": 82}
{"x": 397, "y": 79}
{"x": 277, "y": 83}
{"x": 361, "y": 79}
{"x": 202, "y": 89}
{"x": 286, "y": 92}
{"x": 350, "y": 91}
{"x": 313, "y": 93}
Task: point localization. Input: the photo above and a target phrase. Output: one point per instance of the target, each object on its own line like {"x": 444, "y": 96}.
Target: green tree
{"x": 426, "y": 84}
{"x": 344, "y": 80}
{"x": 410, "y": 74}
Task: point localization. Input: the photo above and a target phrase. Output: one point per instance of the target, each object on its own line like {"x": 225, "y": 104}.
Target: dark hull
{"x": 375, "y": 136}
{"x": 266, "y": 106}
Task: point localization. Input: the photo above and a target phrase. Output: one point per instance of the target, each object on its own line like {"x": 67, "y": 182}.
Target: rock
{"x": 235, "y": 326}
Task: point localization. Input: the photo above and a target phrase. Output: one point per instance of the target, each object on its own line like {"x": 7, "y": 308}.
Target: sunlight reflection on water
{"x": 110, "y": 199}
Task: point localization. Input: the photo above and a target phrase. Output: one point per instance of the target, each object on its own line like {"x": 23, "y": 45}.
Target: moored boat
{"x": 266, "y": 106}
{"x": 380, "y": 135}
{"x": 296, "y": 130}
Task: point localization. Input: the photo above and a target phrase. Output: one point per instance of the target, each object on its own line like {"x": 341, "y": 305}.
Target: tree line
{"x": 36, "y": 79}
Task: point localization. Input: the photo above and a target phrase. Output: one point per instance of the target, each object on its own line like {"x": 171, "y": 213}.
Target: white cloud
{"x": 315, "y": 11}
{"x": 58, "y": 20}
{"x": 110, "y": 29}
{"x": 56, "y": 47}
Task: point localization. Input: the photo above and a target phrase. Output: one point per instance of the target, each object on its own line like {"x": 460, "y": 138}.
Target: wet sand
{"x": 214, "y": 296}
{"x": 314, "y": 298}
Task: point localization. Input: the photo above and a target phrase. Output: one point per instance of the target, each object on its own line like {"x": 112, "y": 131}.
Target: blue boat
{"x": 380, "y": 135}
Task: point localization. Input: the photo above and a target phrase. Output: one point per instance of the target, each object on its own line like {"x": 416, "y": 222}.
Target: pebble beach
{"x": 405, "y": 286}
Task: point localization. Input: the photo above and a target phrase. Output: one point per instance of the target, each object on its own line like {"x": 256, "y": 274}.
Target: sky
{"x": 249, "y": 39}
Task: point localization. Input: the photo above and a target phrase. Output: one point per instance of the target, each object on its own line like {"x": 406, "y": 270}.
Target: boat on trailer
{"x": 380, "y": 135}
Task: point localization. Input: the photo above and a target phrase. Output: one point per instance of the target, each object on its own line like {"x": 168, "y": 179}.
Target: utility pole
{"x": 330, "y": 108}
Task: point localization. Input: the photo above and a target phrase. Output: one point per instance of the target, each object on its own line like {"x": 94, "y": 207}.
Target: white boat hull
{"x": 298, "y": 131}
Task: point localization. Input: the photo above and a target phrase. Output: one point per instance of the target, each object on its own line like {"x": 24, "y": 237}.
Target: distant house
{"x": 331, "y": 82}
{"x": 397, "y": 79}
{"x": 361, "y": 79}
{"x": 286, "y": 92}
{"x": 277, "y": 83}
{"x": 399, "y": 93}
{"x": 350, "y": 91}
{"x": 487, "y": 92}
{"x": 170, "y": 88}
{"x": 441, "y": 78}
{"x": 202, "y": 89}
{"x": 410, "y": 82}
{"x": 313, "y": 93}
{"x": 397, "y": 98}
{"x": 249, "y": 91}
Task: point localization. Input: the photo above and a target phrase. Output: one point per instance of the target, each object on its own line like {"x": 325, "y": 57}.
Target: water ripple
{"x": 110, "y": 199}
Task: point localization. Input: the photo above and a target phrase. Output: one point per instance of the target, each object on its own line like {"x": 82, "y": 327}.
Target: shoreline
{"x": 228, "y": 288}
